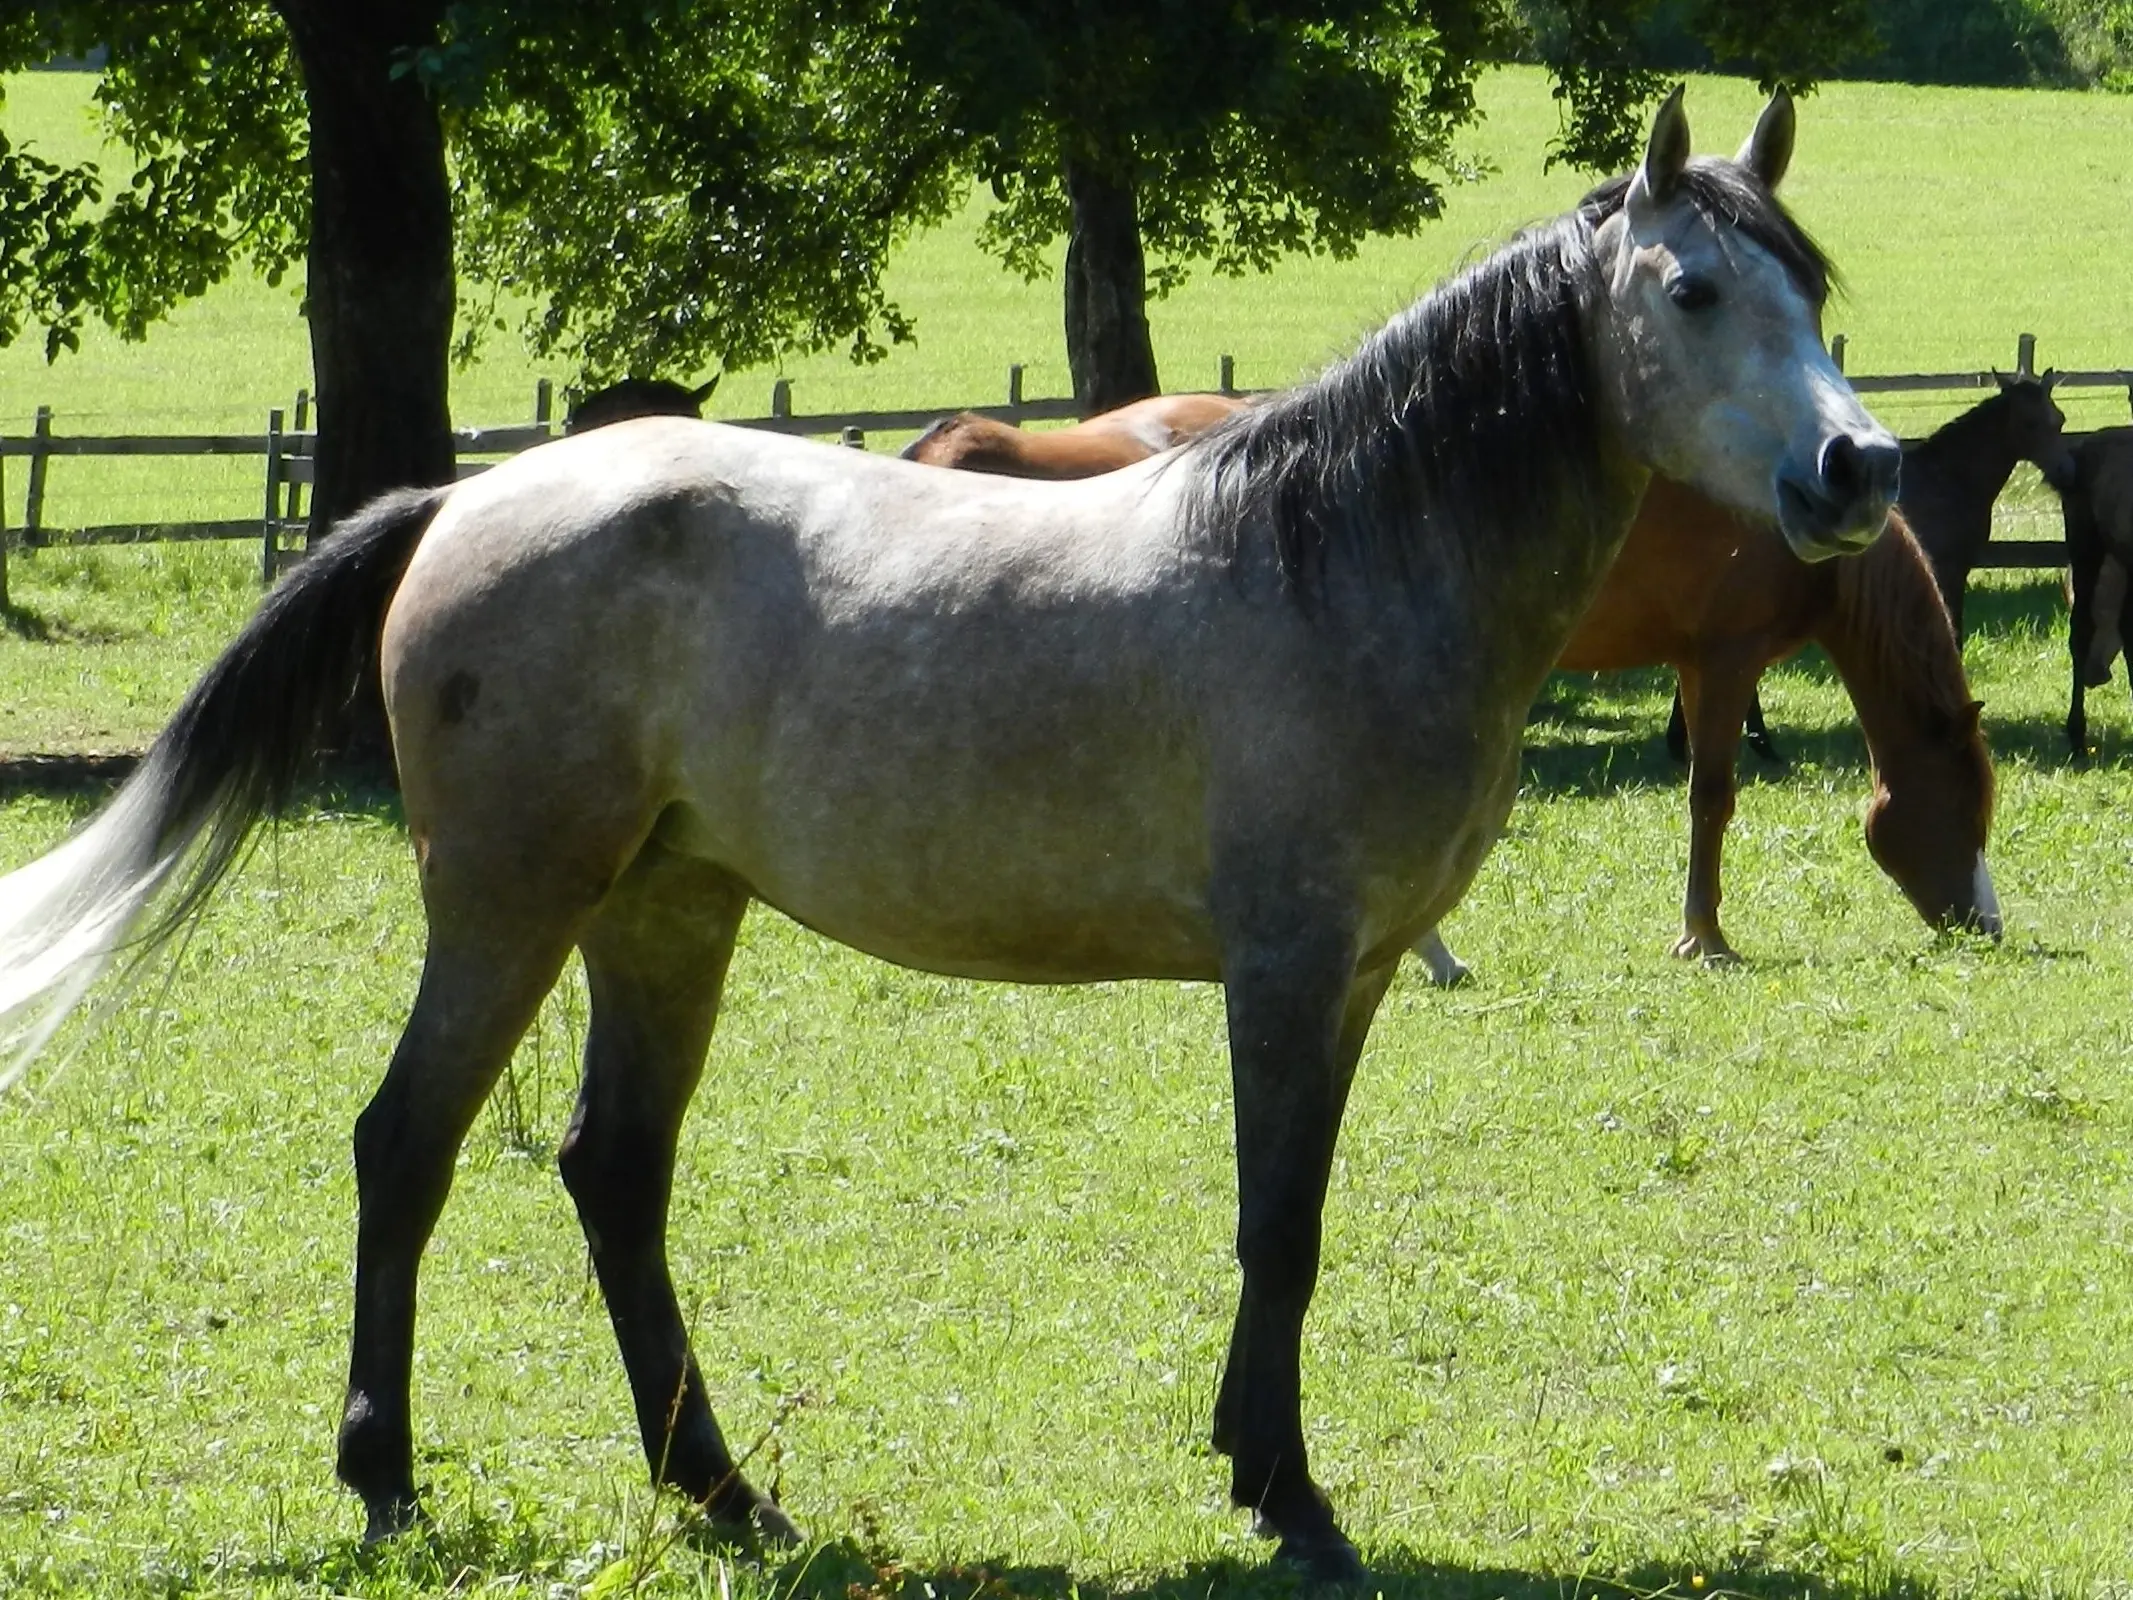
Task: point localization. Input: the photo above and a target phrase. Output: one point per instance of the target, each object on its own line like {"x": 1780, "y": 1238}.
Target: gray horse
{"x": 1248, "y": 712}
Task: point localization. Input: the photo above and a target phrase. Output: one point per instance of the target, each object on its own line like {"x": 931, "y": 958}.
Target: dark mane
{"x": 1731, "y": 198}
{"x": 1473, "y": 411}
{"x": 1469, "y": 417}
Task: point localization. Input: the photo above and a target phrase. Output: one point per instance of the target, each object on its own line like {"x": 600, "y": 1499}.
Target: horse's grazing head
{"x": 637, "y": 397}
{"x": 1928, "y": 833}
{"x": 1710, "y": 340}
{"x": 2035, "y": 425}
{"x": 1931, "y": 812}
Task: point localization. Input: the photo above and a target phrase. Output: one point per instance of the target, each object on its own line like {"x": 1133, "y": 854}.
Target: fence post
{"x": 4, "y": 602}
{"x": 270, "y": 536}
{"x": 544, "y": 400}
{"x": 1836, "y": 351}
{"x": 781, "y": 398}
{"x": 1228, "y": 383}
{"x": 1014, "y": 389}
{"x": 33, "y": 506}
{"x": 854, "y": 437}
{"x": 2026, "y": 355}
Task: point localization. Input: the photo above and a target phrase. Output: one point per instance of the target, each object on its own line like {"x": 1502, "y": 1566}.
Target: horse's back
{"x": 955, "y": 721}
{"x": 2105, "y": 461}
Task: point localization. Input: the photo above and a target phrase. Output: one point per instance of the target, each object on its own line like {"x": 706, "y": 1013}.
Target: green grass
{"x": 1806, "y": 1278}
{"x": 1803, "y": 1279}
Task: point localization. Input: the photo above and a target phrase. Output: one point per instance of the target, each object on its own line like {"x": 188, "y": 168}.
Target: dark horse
{"x": 2097, "y": 505}
{"x": 1951, "y": 481}
{"x": 1248, "y": 712}
{"x": 637, "y": 397}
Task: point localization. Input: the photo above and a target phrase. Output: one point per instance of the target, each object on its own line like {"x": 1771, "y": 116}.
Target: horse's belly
{"x": 975, "y": 890}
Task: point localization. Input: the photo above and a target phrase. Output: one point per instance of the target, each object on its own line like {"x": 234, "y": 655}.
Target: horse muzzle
{"x": 1842, "y": 506}
{"x": 1982, "y": 914}
{"x": 2062, "y": 473}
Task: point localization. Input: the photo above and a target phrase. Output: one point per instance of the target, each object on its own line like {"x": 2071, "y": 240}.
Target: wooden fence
{"x": 287, "y": 452}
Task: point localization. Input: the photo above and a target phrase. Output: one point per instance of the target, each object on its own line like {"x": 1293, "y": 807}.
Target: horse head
{"x": 1710, "y": 341}
{"x": 637, "y": 397}
{"x": 2036, "y": 426}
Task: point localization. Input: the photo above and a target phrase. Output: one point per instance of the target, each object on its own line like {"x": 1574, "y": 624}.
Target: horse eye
{"x": 1692, "y": 293}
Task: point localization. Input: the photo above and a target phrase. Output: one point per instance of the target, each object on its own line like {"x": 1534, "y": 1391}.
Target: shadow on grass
{"x": 843, "y": 1573}
{"x": 90, "y": 779}
{"x": 33, "y": 627}
{"x": 511, "y": 1548}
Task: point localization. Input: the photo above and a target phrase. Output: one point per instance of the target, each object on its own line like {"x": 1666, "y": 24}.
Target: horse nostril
{"x": 1852, "y": 472}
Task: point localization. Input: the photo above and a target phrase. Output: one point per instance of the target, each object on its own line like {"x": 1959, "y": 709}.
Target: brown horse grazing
{"x": 1100, "y": 444}
{"x": 1719, "y": 598}
{"x": 2098, "y": 509}
{"x": 637, "y": 397}
{"x": 1951, "y": 481}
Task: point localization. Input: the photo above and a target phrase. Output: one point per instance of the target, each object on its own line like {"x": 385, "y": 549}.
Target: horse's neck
{"x": 1970, "y": 458}
{"x": 1893, "y": 659}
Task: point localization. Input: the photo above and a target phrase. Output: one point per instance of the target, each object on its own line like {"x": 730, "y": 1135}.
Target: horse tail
{"x": 235, "y": 751}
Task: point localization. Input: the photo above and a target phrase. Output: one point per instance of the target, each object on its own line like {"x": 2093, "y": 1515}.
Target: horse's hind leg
{"x": 655, "y": 958}
{"x": 481, "y": 984}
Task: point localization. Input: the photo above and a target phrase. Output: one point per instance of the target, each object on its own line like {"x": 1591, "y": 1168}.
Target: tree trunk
{"x": 380, "y": 291}
{"x": 1108, "y": 349}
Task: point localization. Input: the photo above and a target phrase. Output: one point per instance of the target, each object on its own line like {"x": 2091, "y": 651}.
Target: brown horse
{"x": 1719, "y": 598}
{"x": 1100, "y": 444}
{"x": 2098, "y": 508}
{"x": 1951, "y": 480}
{"x": 1721, "y": 609}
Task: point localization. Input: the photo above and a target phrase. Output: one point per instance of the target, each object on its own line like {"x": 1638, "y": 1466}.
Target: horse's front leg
{"x": 2085, "y": 561}
{"x": 1298, "y": 1015}
{"x": 1716, "y": 698}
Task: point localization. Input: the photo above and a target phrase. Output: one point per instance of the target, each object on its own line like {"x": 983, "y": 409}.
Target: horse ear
{"x": 1666, "y": 156}
{"x": 2002, "y": 380}
{"x": 702, "y": 391}
{"x": 1976, "y": 715}
{"x": 1768, "y": 151}
{"x": 2050, "y": 380}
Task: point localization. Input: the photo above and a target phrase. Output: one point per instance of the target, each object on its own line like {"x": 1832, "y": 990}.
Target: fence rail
{"x": 289, "y": 454}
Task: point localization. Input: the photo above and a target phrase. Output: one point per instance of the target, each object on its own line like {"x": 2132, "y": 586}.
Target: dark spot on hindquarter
{"x": 457, "y": 697}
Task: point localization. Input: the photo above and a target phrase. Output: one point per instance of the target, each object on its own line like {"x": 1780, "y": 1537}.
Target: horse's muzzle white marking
{"x": 1985, "y": 904}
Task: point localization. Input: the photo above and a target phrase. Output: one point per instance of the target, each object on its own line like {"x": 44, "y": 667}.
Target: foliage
{"x": 1248, "y": 131}
{"x": 2004, "y": 42}
{"x": 689, "y": 183}
{"x": 1609, "y": 57}
{"x": 206, "y": 100}
{"x": 668, "y": 184}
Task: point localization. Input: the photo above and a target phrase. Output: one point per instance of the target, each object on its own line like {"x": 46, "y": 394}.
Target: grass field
{"x": 1805, "y": 1279}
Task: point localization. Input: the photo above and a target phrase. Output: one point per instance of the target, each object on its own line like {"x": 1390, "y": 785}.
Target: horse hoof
{"x": 1323, "y": 1559}
{"x": 774, "y": 1527}
{"x": 1708, "y": 949}
{"x": 388, "y": 1519}
{"x": 755, "y": 1520}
